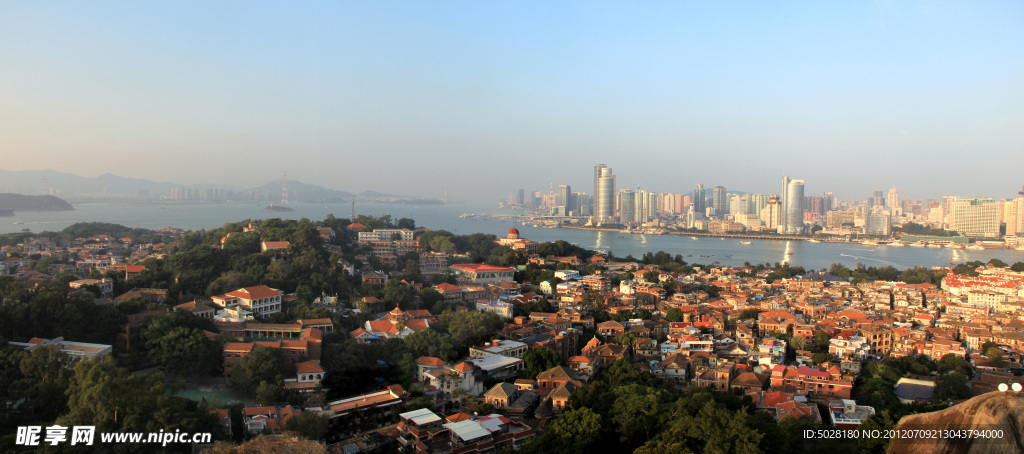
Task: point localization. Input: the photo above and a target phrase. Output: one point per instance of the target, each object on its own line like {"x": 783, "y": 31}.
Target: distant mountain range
{"x": 67, "y": 185}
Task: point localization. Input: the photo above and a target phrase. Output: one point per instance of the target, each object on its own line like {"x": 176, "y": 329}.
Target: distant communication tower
{"x": 284, "y": 191}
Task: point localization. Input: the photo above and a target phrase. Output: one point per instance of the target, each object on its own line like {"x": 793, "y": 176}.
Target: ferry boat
{"x": 869, "y": 243}
{"x": 976, "y": 247}
{"x": 746, "y": 243}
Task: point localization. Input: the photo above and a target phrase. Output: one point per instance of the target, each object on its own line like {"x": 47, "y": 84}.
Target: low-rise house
{"x": 910, "y": 390}
{"x": 260, "y": 300}
{"x": 809, "y": 380}
{"x": 510, "y": 348}
{"x": 308, "y": 377}
{"x": 273, "y": 245}
{"x": 196, "y": 308}
{"x": 463, "y": 377}
{"x": 392, "y": 395}
{"x": 76, "y": 350}
{"x": 675, "y": 367}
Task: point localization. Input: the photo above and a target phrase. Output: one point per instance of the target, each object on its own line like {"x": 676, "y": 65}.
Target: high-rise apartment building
{"x": 830, "y": 202}
{"x": 878, "y": 223}
{"x": 975, "y": 217}
{"x": 719, "y": 201}
{"x": 771, "y": 213}
{"x": 892, "y": 202}
{"x": 562, "y": 197}
{"x": 627, "y": 206}
{"x": 699, "y": 199}
{"x": 739, "y": 204}
{"x": 1019, "y": 220}
{"x": 757, "y": 202}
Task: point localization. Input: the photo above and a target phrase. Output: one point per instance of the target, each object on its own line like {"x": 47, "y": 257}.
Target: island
{"x": 9, "y": 203}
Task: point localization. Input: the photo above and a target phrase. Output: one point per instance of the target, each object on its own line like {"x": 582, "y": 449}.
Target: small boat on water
{"x": 745, "y": 243}
{"x": 812, "y": 240}
{"x": 693, "y": 238}
{"x": 976, "y": 247}
{"x": 934, "y": 246}
{"x": 869, "y": 243}
{"x": 897, "y": 244}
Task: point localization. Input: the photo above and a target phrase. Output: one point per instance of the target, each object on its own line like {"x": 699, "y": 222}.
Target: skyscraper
{"x": 784, "y": 200}
{"x": 699, "y": 199}
{"x": 596, "y": 200}
{"x": 605, "y": 198}
{"x": 627, "y": 206}
{"x": 892, "y": 201}
{"x": 975, "y": 217}
{"x": 562, "y": 196}
{"x": 771, "y": 213}
{"x": 719, "y": 201}
{"x": 793, "y": 212}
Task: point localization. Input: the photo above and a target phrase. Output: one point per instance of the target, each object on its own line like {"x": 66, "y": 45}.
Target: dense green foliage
{"x": 537, "y": 360}
{"x": 113, "y": 400}
{"x": 177, "y": 342}
{"x": 50, "y": 312}
{"x": 261, "y": 365}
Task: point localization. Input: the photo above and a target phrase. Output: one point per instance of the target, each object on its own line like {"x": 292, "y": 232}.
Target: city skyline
{"x": 920, "y": 96}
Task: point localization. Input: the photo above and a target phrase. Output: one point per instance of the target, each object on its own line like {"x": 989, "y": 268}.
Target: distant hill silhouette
{"x": 110, "y": 185}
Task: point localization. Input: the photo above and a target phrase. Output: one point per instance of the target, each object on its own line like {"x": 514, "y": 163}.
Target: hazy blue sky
{"x": 481, "y": 98}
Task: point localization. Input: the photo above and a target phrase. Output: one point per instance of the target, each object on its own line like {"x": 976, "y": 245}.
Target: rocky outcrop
{"x": 994, "y": 411}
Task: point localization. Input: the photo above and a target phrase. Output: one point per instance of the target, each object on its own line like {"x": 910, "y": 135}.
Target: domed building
{"x": 516, "y": 243}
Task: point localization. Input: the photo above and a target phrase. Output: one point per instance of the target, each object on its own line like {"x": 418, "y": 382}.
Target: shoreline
{"x": 757, "y": 237}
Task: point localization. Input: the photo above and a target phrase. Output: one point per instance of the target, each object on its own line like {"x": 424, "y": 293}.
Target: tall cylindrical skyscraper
{"x": 794, "y": 210}
{"x": 596, "y": 199}
{"x": 606, "y": 196}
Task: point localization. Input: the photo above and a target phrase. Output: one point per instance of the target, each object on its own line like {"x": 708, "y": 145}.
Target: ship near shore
{"x": 277, "y": 209}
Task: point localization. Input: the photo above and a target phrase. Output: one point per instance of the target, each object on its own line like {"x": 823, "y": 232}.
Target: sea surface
{"x": 726, "y": 251}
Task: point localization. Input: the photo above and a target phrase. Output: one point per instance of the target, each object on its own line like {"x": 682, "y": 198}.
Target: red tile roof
{"x": 252, "y": 293}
